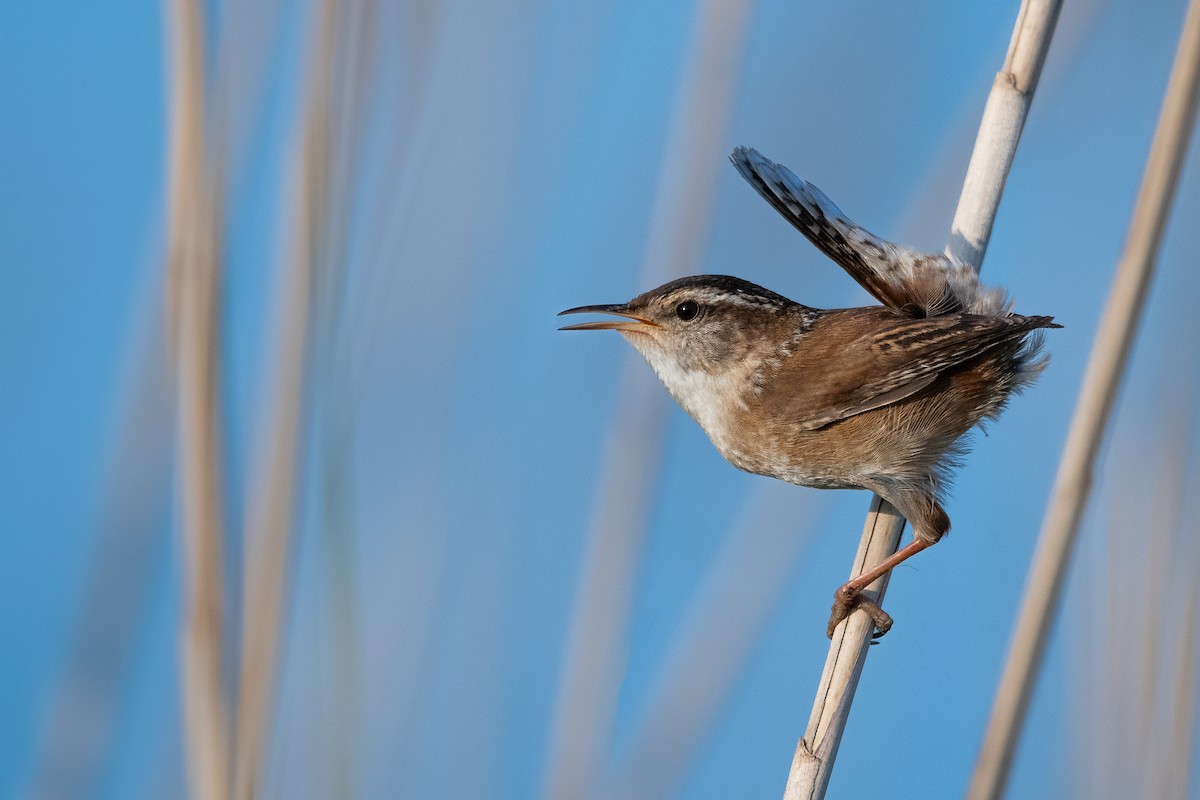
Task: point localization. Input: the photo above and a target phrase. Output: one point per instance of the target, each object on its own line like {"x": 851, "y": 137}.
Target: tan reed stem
{"x": 271, "y": 507}
{"x": 193, "y": 275}
{"x": 996, "y": 144}
{"x": 686, "y": 188}
{"x": 1110, "y": 353}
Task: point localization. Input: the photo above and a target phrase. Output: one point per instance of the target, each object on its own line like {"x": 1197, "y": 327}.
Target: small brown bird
{"x": 872, "y": 398}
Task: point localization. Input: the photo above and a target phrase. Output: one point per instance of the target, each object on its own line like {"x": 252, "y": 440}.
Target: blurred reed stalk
{"x": 192, "y": 287}
{"x": 1163, "y": 592}
{"x": 271, "y": 502}
{"x": 1110, "y": 353}
{"x": 352, "y": 69}
{"x": 1176, "y": 772}
{"x": 995, "y": 146}
{"x": 1139, "y": 701}
{"x": 726, "y": 622}
{"x": 596, "y": 655}
{"x": 84, "y": 711}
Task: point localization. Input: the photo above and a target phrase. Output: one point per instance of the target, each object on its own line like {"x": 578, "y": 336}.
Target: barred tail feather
{"x": 906, "y": 280}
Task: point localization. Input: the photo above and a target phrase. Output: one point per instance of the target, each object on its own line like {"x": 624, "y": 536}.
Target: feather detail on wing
{"x": 899, "y": 360}
{"x": 913, "y": 283}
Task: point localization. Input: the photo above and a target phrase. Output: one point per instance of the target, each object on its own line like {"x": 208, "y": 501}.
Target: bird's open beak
{"x": 634, "y": 323}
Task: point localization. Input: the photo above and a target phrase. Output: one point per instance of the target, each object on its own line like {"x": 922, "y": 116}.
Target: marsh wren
{"x": 872, "y": 398}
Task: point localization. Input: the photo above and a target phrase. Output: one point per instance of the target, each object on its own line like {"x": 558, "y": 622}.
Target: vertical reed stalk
{"x": 716, "y": 641}
{"x": 270, "y": 514}
{"x": 1110, "y": 353}
{"x": 193, "y": 274}
{"x": 352, "y": 71}
{"x": 595, "y": 652}
{"x": 84, "y": 712}
{"x": 996, "y": 144}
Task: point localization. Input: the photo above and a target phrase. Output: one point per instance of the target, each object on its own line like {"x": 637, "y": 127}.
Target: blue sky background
{"x": 508, "y": 169}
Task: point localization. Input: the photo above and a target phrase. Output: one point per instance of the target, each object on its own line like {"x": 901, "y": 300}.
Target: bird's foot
{"x": 848, "y": 598}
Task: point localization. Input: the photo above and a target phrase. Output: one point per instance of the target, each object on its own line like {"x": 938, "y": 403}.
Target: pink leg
{"x": 849, "y": 596}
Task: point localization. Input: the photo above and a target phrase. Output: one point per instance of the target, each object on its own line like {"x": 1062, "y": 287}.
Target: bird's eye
{"x": 687, "y": 310}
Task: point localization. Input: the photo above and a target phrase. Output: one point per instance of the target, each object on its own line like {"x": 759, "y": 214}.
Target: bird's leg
{"x": 849, "y": 596}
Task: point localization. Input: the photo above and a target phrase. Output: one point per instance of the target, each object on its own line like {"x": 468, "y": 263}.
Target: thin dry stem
{"x": 84, "y": 711}
{"x": 583, "y": 717}
{"x": 332, "y": 391}
{"x": 1137, "y": 733}
{"x": 1182, "y": 718}
{"x": 999, "y": 133}
{"x": 192, "y": 285}
{"x": 715, "y": 643}
{"x": 1106, "y": 366}
{"x": 269, "y": 520}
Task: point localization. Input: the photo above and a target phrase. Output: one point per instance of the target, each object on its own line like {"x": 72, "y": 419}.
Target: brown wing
{"x": 859, "y": 359}
{"x": 903, "y": 279}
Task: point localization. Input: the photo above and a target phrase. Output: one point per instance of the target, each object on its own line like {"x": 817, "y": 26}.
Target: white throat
{"x": 708, "y": 398}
